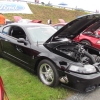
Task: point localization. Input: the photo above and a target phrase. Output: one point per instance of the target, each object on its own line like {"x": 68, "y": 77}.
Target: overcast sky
{"x": 91, "y": 5}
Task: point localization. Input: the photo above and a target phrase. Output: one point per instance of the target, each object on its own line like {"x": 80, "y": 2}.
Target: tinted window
{"x": 17, "y": 32}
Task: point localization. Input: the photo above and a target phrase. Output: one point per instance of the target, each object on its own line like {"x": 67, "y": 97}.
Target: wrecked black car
{"x": 55, "y": 56}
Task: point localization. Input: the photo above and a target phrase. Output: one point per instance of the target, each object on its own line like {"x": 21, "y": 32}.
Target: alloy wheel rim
{"x": 46, "y": 74}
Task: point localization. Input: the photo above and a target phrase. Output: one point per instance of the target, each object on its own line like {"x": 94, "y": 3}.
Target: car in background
{"x": 90, "y": 36}
{"x": 59, "y": 25}
{"x": 24, "y": 21}
{"x": 29, "y": 21}
{"x": 19, "y": 19}
{"x": 3, "y": 95}
{"x": 36, "y": 21}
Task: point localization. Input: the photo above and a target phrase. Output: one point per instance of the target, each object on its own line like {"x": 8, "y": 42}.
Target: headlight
{"x": 86, "y": 69}
{"x": 98, "y": 42}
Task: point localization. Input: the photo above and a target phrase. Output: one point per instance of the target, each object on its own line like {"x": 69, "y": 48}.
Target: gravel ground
{"x": 94, "y": 95}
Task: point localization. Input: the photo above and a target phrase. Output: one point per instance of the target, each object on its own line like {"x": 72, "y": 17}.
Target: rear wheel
{"x": 86, "y": 42}
{"x": 47, "y": 73}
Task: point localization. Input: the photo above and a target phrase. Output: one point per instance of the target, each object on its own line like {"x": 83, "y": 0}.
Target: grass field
{"x": 20, "y": 84}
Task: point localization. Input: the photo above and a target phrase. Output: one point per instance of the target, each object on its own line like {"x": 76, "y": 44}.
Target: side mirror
{"x": 22, "y": 40}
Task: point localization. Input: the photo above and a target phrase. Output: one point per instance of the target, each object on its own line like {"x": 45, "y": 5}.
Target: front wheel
{"x": 47, "y": 73}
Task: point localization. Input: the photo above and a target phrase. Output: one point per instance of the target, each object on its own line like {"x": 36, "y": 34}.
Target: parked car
{"x": 3, "y": 95}
{"x": 19, "y": 19}
{"x": 52, "y": 54}
{"x": 24, "y": 21}
{"x": 91, "y": 36}
{"x": 29, "y": 21}
{"x": 59, "y": 25}
{"x": 36, "y": 21}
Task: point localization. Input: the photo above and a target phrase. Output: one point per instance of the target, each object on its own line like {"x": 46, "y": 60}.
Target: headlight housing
{"x": 98, "y": 42}
{"x": 86, "y": 69}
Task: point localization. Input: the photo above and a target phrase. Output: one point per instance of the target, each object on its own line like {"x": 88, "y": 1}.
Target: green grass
{"x": 20, "y": 84}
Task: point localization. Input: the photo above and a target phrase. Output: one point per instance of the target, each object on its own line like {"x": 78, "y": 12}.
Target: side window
{"x": 5, "y": 30}
{"x": 17, "y": 32}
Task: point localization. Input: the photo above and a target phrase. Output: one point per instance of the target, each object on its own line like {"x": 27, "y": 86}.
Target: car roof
{"x": 30, "y": 24}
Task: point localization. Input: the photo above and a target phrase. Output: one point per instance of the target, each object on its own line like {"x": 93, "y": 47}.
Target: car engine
{"x": 78, "y": 52}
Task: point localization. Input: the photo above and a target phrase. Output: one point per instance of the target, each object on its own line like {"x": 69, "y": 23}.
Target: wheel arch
{"x": 85, "y": 40}
{"x": 40, "y": 59}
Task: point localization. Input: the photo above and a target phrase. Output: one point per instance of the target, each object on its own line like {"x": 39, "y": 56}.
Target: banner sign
{"x": 14, "y": 7}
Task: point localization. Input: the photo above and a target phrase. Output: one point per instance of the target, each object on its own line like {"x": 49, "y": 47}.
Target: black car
{"x": 54, "y": 55}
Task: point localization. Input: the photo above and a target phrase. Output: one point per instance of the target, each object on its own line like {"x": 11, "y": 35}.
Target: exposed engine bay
{"x": 79, "y": 52}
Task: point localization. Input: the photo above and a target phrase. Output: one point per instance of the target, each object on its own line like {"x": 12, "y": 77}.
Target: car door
{"x": 14, "y": 49}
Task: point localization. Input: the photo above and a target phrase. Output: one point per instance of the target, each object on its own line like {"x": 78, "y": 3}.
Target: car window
{"x": 59, "y": 27}
{"x": 56, "y": 27}
{"x": 17, "y": 32}
{"x": 6, "y": 30}
{"x": 38, "y": 34}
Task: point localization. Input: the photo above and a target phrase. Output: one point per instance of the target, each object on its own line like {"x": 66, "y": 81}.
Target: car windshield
{"x": 40, "y": 34}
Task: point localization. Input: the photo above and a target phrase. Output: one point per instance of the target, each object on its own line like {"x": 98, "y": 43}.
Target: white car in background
{"x": 24, "y": 21}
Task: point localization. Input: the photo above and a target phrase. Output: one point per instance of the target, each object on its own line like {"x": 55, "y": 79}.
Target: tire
{"x": 86, "y": 42}
{"x": 47, "y": 73}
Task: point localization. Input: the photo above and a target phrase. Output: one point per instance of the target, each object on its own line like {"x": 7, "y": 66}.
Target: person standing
{"x": 49, "y": 21}
{"x": 2, "y": 19}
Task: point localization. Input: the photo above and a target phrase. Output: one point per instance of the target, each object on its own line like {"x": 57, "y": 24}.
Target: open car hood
{"x": 75, "y": 27}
